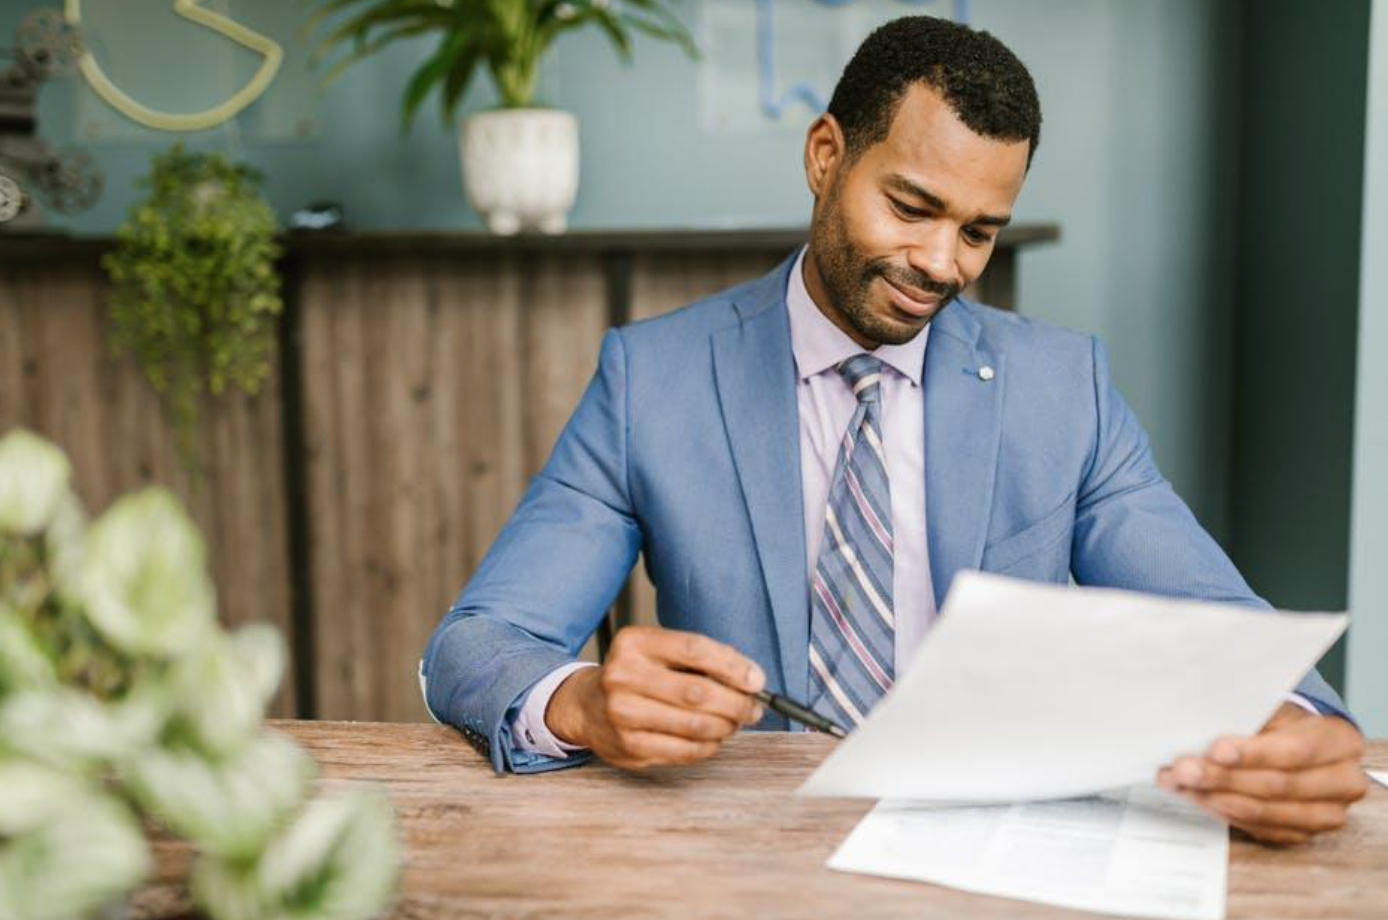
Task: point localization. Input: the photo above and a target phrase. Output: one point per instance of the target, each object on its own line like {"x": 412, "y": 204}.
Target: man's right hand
{"x": 663, "y": 697}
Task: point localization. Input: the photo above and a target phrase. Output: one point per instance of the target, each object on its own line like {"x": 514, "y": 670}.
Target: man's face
{"x": 898, "y": 232}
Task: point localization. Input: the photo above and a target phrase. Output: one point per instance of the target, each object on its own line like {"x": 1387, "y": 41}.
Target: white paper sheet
{"x": 1378, "y": 776}
{"x": 1141, "y": 853}
{"x": 1025, "y": 691}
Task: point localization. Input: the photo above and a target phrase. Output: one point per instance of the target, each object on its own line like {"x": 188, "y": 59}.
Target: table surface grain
{"x": 726, "y": 838}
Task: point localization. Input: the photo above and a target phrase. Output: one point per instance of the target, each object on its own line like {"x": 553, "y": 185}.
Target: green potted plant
{"x": 124, "y": 705}
{"x": 520, "y": 161}
{"x": 195, "y": 293}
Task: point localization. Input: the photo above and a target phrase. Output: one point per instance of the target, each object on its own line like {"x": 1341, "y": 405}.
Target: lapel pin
{"x": 985, "y": 373}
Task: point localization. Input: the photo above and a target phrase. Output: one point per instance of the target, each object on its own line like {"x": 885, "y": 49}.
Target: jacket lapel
{"x": 755, "y": 373}
{"x": 963, "y": 425}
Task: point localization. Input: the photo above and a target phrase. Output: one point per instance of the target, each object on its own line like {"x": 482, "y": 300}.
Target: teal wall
{"x": 1134, "y": 163}
{"x": 1302, "y": 156}
{"x": 648, "y": 159}
{"x": 1368, "y": 592}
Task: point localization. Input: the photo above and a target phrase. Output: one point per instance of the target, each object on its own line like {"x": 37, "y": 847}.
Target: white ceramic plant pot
{"x": 520, "y": 168}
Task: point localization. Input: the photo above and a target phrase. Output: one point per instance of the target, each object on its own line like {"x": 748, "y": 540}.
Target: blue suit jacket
{"x": 686, "y": 445}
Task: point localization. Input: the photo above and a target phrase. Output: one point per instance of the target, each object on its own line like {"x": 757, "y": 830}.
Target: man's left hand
{"x": 1294, "y": 779}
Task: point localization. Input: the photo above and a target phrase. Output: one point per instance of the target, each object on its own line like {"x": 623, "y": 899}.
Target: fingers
{"x": 1260, "y": 816}
{"x": 695, "y": 652}
{"x": 669, "y": 697}
{"x": 1279, "y": 836}
{"x": 1291, "y": 745}
{"x": 1294, "y": 779}
{"x": 1343, "y": 782}
{"x": 631, "y": 712}
{"x": 652, "y": 749}
{"x": 692, "y": 693}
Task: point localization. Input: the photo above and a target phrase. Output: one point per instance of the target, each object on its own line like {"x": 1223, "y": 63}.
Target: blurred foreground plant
{"x": 122, "y": 701}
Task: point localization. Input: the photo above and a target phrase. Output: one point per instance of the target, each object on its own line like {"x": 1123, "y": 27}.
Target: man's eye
{"x": 975, "y": 235}
{"x": 906, "y": 211}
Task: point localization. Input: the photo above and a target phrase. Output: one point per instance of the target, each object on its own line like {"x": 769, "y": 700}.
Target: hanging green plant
{"x": 195, "y": 292}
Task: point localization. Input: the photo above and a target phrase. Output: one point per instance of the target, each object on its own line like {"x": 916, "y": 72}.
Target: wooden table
{"x": 723, "y": 839}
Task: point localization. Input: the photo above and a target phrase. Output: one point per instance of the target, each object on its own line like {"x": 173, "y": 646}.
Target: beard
{"x": 848, "y": 275}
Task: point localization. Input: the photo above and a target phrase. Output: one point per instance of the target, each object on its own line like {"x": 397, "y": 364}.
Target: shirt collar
{"x": 819, "y": 345}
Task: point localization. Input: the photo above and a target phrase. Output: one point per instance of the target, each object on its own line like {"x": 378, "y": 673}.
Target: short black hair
{"x": 980, "y": 79}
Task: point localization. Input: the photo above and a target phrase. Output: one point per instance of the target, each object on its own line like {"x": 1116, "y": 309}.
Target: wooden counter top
{"x": 722, "y": 839}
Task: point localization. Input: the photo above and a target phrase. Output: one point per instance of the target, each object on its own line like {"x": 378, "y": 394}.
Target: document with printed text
{"x": 1024, "y": 691}
{"x": 1139, "y": 853}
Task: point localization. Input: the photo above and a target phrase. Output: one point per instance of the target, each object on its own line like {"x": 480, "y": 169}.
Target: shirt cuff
{"x": 1303, "y": 702}
{"x": 529, "y": 732}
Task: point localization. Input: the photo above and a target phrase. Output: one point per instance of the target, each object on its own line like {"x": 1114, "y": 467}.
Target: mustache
{"x": 912, "y": 280}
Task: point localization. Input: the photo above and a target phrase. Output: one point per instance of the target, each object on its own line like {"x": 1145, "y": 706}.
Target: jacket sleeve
{"x": 547, "y": 581}
{"x": 1133, "y": 531}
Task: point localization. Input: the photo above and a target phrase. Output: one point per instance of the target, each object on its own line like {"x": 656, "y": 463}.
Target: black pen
{"x": 802, "y": 714}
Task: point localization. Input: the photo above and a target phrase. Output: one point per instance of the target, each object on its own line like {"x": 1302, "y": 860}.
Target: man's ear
{"x": 825, "y": 151}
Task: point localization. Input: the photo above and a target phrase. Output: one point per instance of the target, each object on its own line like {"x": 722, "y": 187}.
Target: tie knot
{"x": 864, "y": 375}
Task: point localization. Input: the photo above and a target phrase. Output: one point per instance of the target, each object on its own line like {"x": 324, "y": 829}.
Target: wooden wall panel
{"x": 59, "y": 378}
{"x": 434, "y": 389}
{"x": 430, "y": 379}
{"x": 662, "y": 282}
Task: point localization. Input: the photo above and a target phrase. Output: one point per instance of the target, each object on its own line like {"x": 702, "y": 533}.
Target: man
{"x": 807, "y": 460}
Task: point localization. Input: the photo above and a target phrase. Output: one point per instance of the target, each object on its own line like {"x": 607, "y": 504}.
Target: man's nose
{"x": 934, "y": 252}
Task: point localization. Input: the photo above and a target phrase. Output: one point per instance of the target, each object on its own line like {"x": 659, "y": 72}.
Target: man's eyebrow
{"x": 907, "y": 187}
{"x": 992, "y": 220}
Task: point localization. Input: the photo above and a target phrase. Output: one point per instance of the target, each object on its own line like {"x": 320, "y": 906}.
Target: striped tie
{"x": 852, "y": 628}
